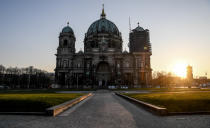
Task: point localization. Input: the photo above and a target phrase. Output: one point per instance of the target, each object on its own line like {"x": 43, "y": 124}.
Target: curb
{"x": 22, "y": 113}
{"x": 189, "y": 113}
{"x": 55, "y": 110}
{"x": 155, "y": 109}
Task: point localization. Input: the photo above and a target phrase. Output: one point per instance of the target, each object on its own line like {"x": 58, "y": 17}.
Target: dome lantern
{"x": 103, "y": 15}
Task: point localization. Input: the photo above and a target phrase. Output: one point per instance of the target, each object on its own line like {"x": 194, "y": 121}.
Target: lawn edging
{"x": 55, "y": 110}
{"x": 152, "y": 108}
{"x": 159, "y": 110}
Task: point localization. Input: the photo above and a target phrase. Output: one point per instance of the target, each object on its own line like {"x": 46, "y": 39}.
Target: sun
{"x": 180, "y": 69}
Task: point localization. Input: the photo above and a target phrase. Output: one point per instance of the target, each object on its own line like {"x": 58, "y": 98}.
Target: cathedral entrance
{"x": 103, "y": 74}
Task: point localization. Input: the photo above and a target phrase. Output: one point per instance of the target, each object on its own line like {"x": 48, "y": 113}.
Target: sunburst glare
{"x": 180, "y": 69}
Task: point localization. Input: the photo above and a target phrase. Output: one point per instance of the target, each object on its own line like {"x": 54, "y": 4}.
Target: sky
{"x": 179, "y": 29}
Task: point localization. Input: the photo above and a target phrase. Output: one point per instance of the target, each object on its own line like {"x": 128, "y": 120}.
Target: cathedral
{"x": 103, "y": 62}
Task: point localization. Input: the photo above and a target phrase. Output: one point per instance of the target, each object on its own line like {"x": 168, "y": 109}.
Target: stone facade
{"x": 103, "y": 62}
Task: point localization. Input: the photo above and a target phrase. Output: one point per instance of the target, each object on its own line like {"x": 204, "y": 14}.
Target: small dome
{"x": 138, "y": 28}
{"x": 67, "y": 29}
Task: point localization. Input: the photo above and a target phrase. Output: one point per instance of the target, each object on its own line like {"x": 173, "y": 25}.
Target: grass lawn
{"x": 29, "y": 91}
{"x": 177, "y": 89}
{"x": 32, "y": 102}
{"x": 162, "y": 89}
{"x": 177, "y": 102}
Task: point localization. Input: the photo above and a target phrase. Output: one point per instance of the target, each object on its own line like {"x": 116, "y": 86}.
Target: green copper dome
{"x": 103, "y": 26}
{"x": 67, "y": 29}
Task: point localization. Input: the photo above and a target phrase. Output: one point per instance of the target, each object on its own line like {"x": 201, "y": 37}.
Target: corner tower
{"x": 64, "y": 56}
{"x": 139, "y": 40}
{"x": 140, "y": 47}
{"x": 66, "y": 41}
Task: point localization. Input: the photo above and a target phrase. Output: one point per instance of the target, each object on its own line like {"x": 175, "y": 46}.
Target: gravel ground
{"x": 105, "y": 110}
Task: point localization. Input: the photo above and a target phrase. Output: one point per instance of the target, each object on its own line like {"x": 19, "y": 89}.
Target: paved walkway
{"x": 105, "y": 110}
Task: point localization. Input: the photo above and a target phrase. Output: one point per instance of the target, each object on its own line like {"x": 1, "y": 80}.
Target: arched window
{"x": 142, "y": 64}
{"x": 88, "y": 65}
{"x": 92, "y": 44}
{"x": 113, "y": 44}
{"x": 127, "y": 65}
{"x": 60, "y": 63}
{"x": 78, "y": 65}
{"x": 109, "y": 44}
{"x": 118, "y": 65}
{"x": 96, "y": 44}
{"x": 65, "y": 64}
{"x": 70, "y": 63}
{"x": 65, "y": 42}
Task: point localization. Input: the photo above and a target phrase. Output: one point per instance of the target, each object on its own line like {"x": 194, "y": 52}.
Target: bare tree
{"x": 2, "y": 69}
{"x": 24, "y": 77}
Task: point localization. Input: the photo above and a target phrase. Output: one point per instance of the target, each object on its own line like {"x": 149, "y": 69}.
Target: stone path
{"x": 105, "y": 110}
